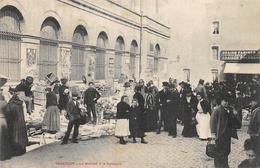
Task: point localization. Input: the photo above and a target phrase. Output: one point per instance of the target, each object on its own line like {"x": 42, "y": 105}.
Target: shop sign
{"x": 239, "y": 54}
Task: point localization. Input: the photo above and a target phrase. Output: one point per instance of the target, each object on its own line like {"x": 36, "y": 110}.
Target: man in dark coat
{"x": 63, "y": 97}
{"x": 254, "y": 125}
{"x": 26, "y": 85}
{"x": 91, "y": 97}
{"x": 73, "y": 114}
{"x": 223, "y": 125}
{"x": 172, "y": 108}
{"x": 163, "y": 95}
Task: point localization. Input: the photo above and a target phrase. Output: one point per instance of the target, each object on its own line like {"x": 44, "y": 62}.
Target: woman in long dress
{"x": 16, "y": 124}
{"x": 122, "y": 122}
{"x": 203, "y": 118}
{"x": 51, "y": 117}
{"x": 189, "y": 109}
{"x": 137, "y": 126}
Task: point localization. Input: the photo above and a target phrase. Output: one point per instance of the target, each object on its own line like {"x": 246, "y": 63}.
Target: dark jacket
{"x": 51, "y": 99}
{"x": 91, "y": 96}
{"x": 122, "y": 110}
{"x": 205, "y": 106}
{"x": 163, "y": 96}
{"x": 188, "y": 109}
{"x": 140, "y": 99}
{"x": 64, "y": 98}
{"x": 73, "y": 110}
{"x": 254, "y": 125}
{"x": 221, "y": 121}
{"x": 16, "y": 125}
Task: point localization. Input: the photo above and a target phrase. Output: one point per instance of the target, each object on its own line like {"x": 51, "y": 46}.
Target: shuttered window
{"x": 120, "y": 46}
{"x": 133, "y": 52}
{"x": 10, "y": 42}
{"x": 48, "y": 58}
{"x": 78, "y": 53}
{"x": 101, "y": 56}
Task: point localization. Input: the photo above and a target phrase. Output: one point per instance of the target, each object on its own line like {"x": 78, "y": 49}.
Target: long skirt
{"x": 4, "y": 140}
{"x": 122, "y": 128}
{"x": 203, "y": 126}
{"x": 51, "y": 119}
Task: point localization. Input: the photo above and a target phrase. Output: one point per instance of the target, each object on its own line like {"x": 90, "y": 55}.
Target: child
{"x": 122, "y": 122}
{"x": 136, "y": 122}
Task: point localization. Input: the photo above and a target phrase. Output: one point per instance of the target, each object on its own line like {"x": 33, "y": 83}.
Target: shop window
{"x": 215, "y": 52}
{"x": 215, "y": 27}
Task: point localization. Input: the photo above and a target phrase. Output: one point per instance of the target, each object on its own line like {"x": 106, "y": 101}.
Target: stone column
{"x": 90, "y": 62}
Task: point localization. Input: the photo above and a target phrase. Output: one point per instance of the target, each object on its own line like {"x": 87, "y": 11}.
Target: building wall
{"x": 192, "y": 33}
{"x": 115, "y": 18}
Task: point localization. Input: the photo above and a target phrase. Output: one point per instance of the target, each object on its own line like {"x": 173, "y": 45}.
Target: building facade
{"x": 209, "y": 30}
{"x": 72, "y": 38}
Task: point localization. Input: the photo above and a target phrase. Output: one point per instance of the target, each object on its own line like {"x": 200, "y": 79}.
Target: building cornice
{"x": 101, "y": 12}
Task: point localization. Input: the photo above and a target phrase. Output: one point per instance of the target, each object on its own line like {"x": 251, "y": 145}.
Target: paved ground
{"x": 161, "y": 152}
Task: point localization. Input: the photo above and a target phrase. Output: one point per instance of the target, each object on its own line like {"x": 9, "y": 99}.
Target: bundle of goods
{"x": 106, "y": 107}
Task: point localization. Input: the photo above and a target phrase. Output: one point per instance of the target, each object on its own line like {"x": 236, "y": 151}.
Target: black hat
{"x": 29, "y": 79}
{"x": 127, "y": 84}
{"x": 75, "y": 94}
{"x": 51, "y": 78}
{"x": 182, "y": 82}
{"x": 165, "y": 83}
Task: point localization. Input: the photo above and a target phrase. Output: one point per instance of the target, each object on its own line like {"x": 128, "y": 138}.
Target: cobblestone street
{"x": 162, "y": 151}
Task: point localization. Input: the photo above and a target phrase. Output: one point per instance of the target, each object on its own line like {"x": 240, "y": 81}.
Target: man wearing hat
{"x": 162, "y": 103}
{"x": 224, "y": 122}
{"x": 254, "y": 124}
{"x": 26, "y": 87}
{"x": 91, "y": 97}
{"x": 73, "y": 115}
{"x": 63, "y": 97}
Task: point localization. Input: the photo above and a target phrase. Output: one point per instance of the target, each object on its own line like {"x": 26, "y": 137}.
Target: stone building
{"x": 71, "y": 38}
{"x": 207, "y": 31}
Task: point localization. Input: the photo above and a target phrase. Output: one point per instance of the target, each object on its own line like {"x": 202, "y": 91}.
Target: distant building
{"x": 212, "y": 37}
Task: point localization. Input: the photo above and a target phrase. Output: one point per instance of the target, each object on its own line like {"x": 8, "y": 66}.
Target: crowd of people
{"x": 210, "y": 112}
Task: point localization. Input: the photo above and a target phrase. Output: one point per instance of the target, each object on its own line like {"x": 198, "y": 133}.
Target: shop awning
{"x": 242, "y": 68}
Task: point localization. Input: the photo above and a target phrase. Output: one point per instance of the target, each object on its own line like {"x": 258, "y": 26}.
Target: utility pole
{"x": 141, "y": 37}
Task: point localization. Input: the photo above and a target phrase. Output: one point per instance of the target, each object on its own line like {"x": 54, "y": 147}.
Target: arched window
{"x": 133, "y": 53}
{"x": 120, "y": 47}
{"x": 101, "y": 56}
{"x": 10, "y": 42}
{"x": 78, "y": 53}
{"x": 156, "y": 58}
{"x": 48, "y": 59}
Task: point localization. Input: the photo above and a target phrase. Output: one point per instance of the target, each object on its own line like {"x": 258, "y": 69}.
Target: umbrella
{"x": 3, "y": 80}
